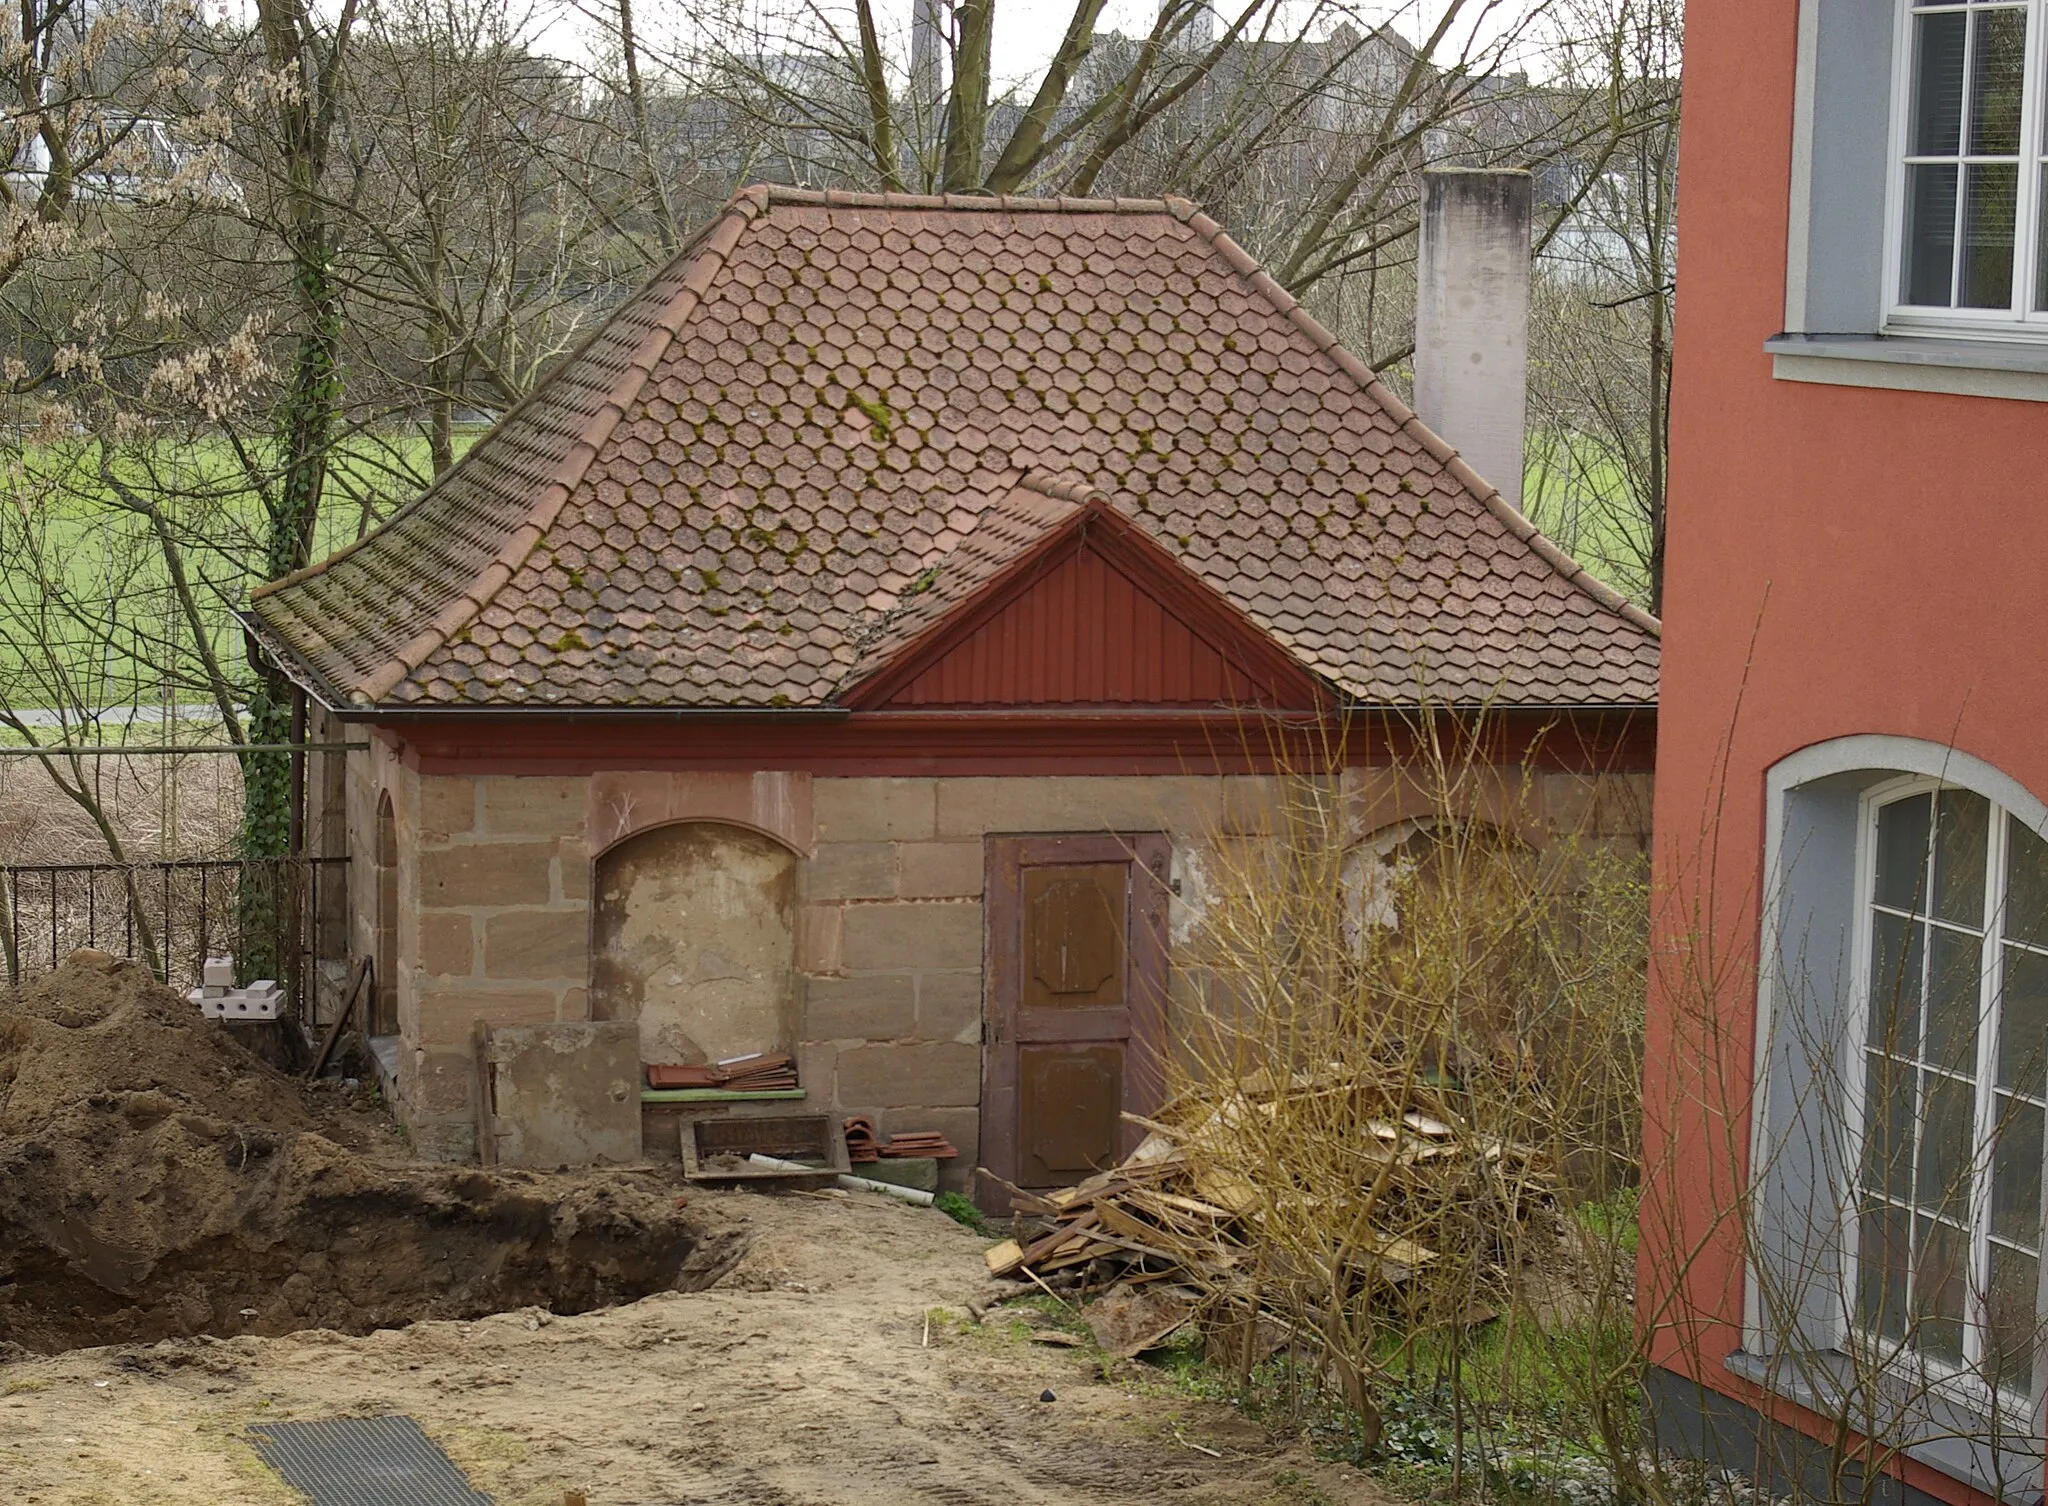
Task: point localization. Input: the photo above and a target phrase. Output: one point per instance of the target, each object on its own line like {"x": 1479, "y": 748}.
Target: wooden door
{"x": 1076, "y": 1004}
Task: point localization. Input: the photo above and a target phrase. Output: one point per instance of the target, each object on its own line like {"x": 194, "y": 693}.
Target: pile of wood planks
{"x": 1184, "y": 1207}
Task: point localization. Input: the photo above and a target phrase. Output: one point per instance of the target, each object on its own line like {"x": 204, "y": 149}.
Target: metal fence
{"x": 279, "y": 912}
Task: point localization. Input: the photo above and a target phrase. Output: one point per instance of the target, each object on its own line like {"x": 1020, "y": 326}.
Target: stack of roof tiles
{"x": 813, "y": 424}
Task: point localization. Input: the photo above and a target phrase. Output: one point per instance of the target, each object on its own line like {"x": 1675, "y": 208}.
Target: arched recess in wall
{"x": 693, "y": 934}
{"x": 384, "y": 1013}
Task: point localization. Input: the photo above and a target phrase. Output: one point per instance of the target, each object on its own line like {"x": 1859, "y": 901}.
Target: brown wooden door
{"x": 1076, "y": 1009}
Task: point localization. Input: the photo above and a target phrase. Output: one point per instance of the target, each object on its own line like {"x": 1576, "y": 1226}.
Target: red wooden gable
{"x": 1103, "y": 619}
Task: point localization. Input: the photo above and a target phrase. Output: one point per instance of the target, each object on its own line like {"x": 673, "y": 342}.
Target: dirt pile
{"x": 158, "y": 1180}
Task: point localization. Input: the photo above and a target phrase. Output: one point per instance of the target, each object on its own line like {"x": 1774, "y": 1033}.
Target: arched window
{"x": 1952, "y": 954}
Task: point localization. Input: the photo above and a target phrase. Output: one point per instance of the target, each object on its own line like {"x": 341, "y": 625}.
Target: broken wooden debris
{"x": 1183, "y": 1208}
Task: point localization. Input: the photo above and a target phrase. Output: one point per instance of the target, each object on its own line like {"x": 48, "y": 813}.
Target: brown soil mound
{"x": 156, "y": 1179}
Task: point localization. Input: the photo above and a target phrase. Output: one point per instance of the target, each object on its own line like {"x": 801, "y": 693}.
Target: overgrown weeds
{"x": 1417, "y": 1017}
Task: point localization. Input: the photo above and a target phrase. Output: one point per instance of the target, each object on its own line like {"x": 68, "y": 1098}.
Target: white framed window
{"x": 1968, "y": 205}
{"x": 1948, "y": 1100}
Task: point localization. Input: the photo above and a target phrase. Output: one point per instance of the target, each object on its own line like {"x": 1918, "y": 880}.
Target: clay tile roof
{"x": 831, "y": 418}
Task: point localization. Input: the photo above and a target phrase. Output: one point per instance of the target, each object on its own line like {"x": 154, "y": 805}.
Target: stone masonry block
{"x": 937, "y": 1074}
{"x": 448, "y": 1016}
{"x": 852, "y": 870}
{"x": 572, "y": 865}
{"x": 527, "y": 805}
{"x": 874, "y": 810}
{"x": 446, "y": 946}
{"x": 441, "y": 1082}
{"x": 820, "y": 939}
{"x": 974, "y": 807}
{"x": 913, "y": 934}
{"x": 537, "y": 944}
{"x": 870, "y": 1007}
{"x": 816, "y": 1063}
{"x": 485, "y": 874}
{"x": 940, "y": 870}
{"x": 949, "y": 1007}
{"x": 447, "y": 807}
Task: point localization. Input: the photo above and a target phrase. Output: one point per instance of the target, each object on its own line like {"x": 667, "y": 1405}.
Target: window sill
{"x": 1984, "y": 1446}
{"x": 1914, "y": 363}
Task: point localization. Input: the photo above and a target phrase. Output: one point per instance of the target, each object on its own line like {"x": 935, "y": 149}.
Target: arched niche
{"x": 384, "y": 967}
{"x": 693, "y": 934}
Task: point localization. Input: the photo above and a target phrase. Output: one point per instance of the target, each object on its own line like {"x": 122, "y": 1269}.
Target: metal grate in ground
{"x": 364, "y": 1461}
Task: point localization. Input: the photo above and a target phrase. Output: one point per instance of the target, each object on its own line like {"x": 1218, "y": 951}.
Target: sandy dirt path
{"x": 803, "y": 1379}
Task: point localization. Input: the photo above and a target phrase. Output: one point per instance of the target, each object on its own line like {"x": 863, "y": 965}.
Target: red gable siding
{"x": 1084, "y": 633}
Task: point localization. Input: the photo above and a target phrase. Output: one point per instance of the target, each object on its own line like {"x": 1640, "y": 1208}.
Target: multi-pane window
{"x": 1970, "y": 207}
{"x": 1947, "y": 1235}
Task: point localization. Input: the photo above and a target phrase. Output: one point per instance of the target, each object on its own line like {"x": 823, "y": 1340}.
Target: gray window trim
{"x": 1836, "y": 230}
{"x": 1813, "y": 800}
{"x": 1914, "y": 363}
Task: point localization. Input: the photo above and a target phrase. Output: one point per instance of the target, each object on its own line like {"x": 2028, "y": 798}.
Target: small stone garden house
{"x": 846, "y": 650}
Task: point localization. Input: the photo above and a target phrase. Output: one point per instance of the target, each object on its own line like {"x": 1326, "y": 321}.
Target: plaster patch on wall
{"x": 695, "y": 938}
{"x": 1189, "y": 903}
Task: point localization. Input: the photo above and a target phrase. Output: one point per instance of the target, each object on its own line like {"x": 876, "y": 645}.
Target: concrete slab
{"x": 560, "y": 1095}
{"x": 921, "y": 1172}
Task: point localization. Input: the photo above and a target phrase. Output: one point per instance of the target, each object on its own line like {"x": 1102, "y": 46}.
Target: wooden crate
{"x": 814, "y": 1139}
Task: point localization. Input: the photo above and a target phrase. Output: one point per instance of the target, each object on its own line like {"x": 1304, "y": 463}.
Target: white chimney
{"x": 1472, "y": 318}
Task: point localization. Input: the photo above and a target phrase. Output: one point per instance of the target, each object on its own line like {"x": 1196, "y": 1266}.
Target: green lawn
{"x": 87, "y": 606}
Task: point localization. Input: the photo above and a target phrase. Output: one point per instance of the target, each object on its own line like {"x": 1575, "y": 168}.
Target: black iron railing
{"x": 277, "y": 913}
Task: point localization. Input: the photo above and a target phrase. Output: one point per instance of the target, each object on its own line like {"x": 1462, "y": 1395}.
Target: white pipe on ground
{"x": 852, "y": 1184}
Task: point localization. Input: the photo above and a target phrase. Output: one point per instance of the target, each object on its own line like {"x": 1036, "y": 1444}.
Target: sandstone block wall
{"x": 495, "y": 909}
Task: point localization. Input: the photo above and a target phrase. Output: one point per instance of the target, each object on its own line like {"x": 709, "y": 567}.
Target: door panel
{"x": 1074, "y": 935}
{"x": 1068, "y": 1105}
{"x": 1076, "y": 955}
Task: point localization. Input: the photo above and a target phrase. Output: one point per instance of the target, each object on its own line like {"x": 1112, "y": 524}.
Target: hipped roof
{"x": 831, "y": 415}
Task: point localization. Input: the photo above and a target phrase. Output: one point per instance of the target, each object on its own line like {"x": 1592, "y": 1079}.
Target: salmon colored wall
{"x": 1841, "y": 560}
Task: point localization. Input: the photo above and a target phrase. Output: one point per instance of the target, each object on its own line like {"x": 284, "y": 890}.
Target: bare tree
{"x": 1601, "y": 393}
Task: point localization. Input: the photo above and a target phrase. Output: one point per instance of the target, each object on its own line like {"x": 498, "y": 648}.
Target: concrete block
{"x": 447, "y": 947}
{"x": 852, "y": 870}
{"x": 940, "y": 870}
{"x": 217, "y": 972}
{"x": 531, "y": 805}
{"x": 868, "y": 1007}
{"x": 537, "y": 944}
{"x": 485, "y": 875}
{"x": 962, "y": 1126}
{"x": 940, "y": 1074}
{"x": 921, "y": 1172}
{"x": 875, "y": 810}
{"x": 949, "y": 1007}
{"x": 913, "y": 934}
{"x": 561, "y": 1095}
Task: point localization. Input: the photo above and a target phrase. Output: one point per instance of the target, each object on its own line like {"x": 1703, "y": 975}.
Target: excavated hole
{"x": 157, "y": 1181}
